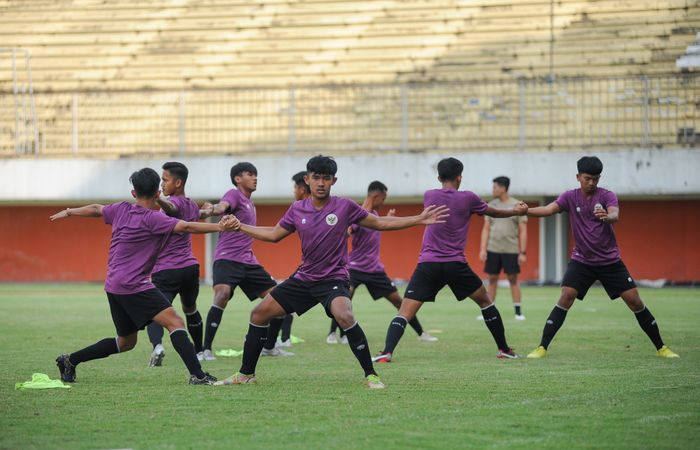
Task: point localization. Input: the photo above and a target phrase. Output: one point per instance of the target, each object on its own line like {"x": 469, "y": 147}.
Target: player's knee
{"x": 126, "y": 343}
{"x": 260, "y": 316}
{"x": 345, "y": 318}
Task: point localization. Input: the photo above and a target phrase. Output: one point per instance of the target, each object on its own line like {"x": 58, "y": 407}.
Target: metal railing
{"x": 576, "y": 113}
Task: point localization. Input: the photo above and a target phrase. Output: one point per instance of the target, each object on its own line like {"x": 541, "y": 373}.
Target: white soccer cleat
{"x": 157, "y": 355}
{"x": 332, "y": 339}
{"x": 283, "y": 344}
{"x": 208, "y": 355}
{"x": 425, "y": 337}
{"x": 200, "y": 356}
{"x": 479, "y": 317}
{"x": 519, "y": 317}
{"x": 276, "y": 351}
{"x": 344, "y": 340}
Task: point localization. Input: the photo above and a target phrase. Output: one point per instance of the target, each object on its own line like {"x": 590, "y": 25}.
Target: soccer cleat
{"x": 539, "y": 352}
{"x": 425, "y": 337}
{"x": 276, "y": 351}
{"x": 519, "y": 317}
{"x": 665, "y": 352}
{"x": 66, "y": 368}
{"x": 382, "y": 357}
{"x": 157, "y": 356}
{"x": 344, "y": 339}
{"x": 373, "y": 382}
{"x": 332, "y": 339}
{"x": 281, "y": 343}
{"x": 206, "y": 379}
{"x": 479, "y": 317}
{"x": 237, "y": 378}
{"x": 208, "y": 355}
{"x": 200, "y": 356}
{"x": 508, "y": 354}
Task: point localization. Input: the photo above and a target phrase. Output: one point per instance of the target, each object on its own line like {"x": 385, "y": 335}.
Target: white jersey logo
{"x": 331, "y": 219}
{"x": 303, "y": 221}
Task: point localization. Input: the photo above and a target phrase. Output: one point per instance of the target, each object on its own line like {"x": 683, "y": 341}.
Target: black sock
{"x": 648, "y": 323}
{"x": 155, "y": 333}
{"x": 554, "y": 322}
{"x": 394, "y": 333}
{"x": 287, "y": 327}
{"x": 360, "y": 348}
{"x": 100, "y": 349}
{"x": 334, "y": 326}
{"x": 272, "y": 332}
{"x": 184, "y": 348}
{"x": 194, "y": 326}
{"x": 254, "y": 343}
{"x": 415, "y": 324}
{"x": 492, "y": 319}
{"x": 213, "y": 322}
{"x": 517, "y": 309}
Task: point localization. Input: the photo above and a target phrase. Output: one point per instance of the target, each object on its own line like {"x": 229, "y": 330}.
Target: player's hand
{"x": 208, "y": 208}
{"x": 391, "y": 213}
{"x": 482, "y": 255}
{"x": 522, "y": 258}
{"x": 60, "y": 215}
{"x": 434, "y": 214}
{"x": 230, "y": 223}
{"x": 601, "y": 214}
{"x": 520, "y": 209}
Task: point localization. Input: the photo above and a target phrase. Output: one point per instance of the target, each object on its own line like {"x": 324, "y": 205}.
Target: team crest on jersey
{"x": 303, "y": 221}
{"x": 331, "y": 219}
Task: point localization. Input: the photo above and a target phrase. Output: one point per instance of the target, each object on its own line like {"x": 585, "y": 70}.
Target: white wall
{"x": 533, "y": 174}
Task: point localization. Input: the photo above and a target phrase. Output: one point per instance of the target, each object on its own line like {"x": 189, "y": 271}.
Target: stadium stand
{"x": 167, "y": 54}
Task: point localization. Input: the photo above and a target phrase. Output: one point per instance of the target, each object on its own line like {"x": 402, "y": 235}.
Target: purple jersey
{"x": 177, "y": 252}
{"x": 365, "y": 249}
{"x": 444, "y": 242}
{"x": 138, "y": 235}
{"x": 595, "y": 239}
{"x": 237, "y": 247}
{"x": 324, "y": 238}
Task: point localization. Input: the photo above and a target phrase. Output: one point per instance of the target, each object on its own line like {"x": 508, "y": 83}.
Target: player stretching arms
{"x": 177, "y": 270}
{"x": 322, "y": 222}
{"x": 442, "y": 262}
{"x": 366, "y": 267}
{"x": 138, "y": 235}
{"x": 596, "y": 256}
{"x": 234, "y": 261}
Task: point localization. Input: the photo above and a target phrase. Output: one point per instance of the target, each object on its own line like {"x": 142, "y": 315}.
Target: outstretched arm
{"x": 94, "y": 210}
{"x": 431, "y": 214}
{"x": 544, "y": 211}
{"x": 227, "y": 223}
{"x": 518, "y": 210}
{"x": 209, "y": 210}
{"x": 267, "y": 234}
{"x": 167, "y": 206}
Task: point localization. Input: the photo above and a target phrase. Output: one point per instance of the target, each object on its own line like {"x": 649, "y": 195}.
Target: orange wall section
{"x": 658, "y": 239}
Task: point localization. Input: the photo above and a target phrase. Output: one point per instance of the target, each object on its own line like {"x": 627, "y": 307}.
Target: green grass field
{"x": 600, "y": 387}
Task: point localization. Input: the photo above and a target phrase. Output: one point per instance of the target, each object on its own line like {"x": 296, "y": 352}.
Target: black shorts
{"x": 132, "y": 312}
{"x": 507, "y": 262}
{"x": 614, "y": 277}
{"x": 430, "y": 277}
{"x": 378, "y": 284}
{"x": 254, "y": 280}
{"x": 183, "y": 281}
{"x": 300, "y": 296}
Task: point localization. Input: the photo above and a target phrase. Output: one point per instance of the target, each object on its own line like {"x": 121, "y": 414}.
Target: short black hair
{"x": 449, "y": 169}
{"x": 502, "y": 181}
{"x": 241, "y": 167}
{"x": 145, "y": 182}
{"x": 377, "y": 186}
{"x": 322, "y": 165}
{"x": 177, "y": 169}
{"x": 298, "y": 179}
{"x": 590, "y": 165}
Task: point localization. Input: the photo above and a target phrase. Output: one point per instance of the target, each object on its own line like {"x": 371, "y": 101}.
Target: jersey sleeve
{"x": 231, "y": 198}
{"x": 179, "y": 204}
{"x": 477, "y": 204}
{"x": 109, "y": 212}
{"x": 355, "y": 212}
{"x": 160, "y": 223}
{"x": 563, "y": 201}
{"x": 610, "y": 199}
{"x": 287, "y": 221}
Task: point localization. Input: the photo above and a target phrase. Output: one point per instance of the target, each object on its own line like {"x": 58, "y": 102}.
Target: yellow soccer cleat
{"x": 373, "y": 382}
{"x": 539, "y": 352}
{"x": 665, "y": 352}
{"x": 237, "y": 378}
